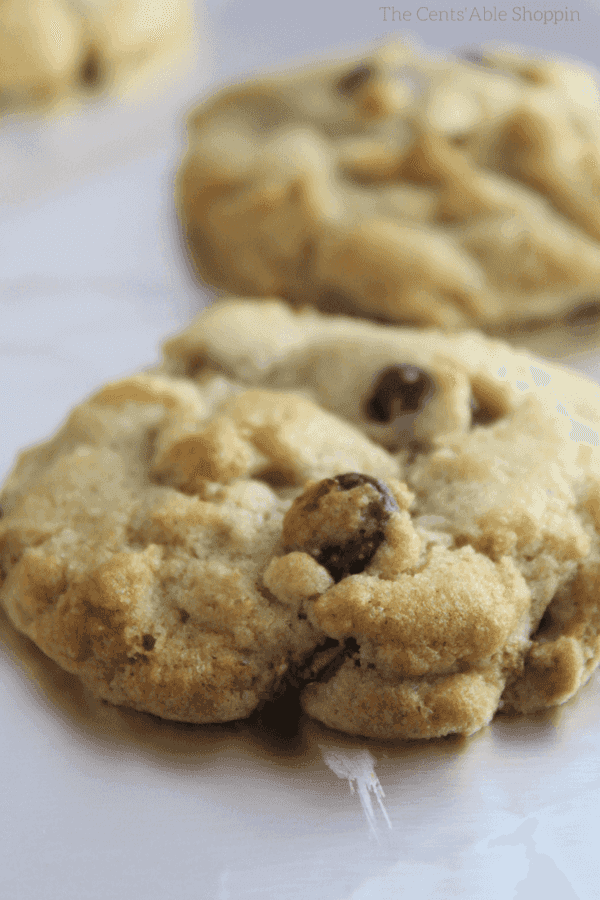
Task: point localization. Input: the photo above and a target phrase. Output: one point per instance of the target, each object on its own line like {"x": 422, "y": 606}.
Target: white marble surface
{"x": 100, "y": 803}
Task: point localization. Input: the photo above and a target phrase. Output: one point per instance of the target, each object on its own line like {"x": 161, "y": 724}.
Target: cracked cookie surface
{"x": 403, "y": 186}
{"x": 482, "y": 590}
{"x": 56, "y": 49}
{"x": 133, "y": 543}
{"x": 196, "y": 537}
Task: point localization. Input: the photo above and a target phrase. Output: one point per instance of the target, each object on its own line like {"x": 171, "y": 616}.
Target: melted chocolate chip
{"x": 398, "y": 389}
{"x": 584, "y": 315}
{"x": 306, "y": 524}
{"x": 318, "y": 492}
{"x": 148, "y": 642}
{"x": 90, "y": 70}
{"x": 355, "y": 79}
{"x": 480, "y": 414}
{"x": 350, "y": 480}
{"x": 323, "y": 669}
{"x": 353, "y": 557}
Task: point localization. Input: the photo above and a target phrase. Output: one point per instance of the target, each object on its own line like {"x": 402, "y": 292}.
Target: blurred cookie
{"x": 402, "y": 186}
{"x": 56, "y": 49}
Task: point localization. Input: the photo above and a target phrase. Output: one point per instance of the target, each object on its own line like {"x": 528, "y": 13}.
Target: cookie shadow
{"x": 279, "y": 732}
{"x": 96, "y": 723}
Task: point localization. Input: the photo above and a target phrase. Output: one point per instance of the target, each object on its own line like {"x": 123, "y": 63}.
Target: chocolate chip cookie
{"x": 401, "y": 524}
{"x": 134, "y": 542}
{"x": 403, "y": 186}
{"x": 474, "y": 586}
{"x": 56, "y": 49}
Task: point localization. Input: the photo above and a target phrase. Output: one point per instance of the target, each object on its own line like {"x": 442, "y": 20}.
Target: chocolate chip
{"x": 355, "y": 479}
{"x": 398, "y": 389}
{"x": 351, "y": 646}
{"x": 148, "y": 642}
{"x": 480, "y": 414}
{"x": 355, "y": 79}
{"x": 90, "y": 70}
{"x": 584, "y": 315}
{"x": 342, "y": 534}
{"x": 319, "y": 491}
{"x": 352, "y": 557}
{"x": 326, "y": 655}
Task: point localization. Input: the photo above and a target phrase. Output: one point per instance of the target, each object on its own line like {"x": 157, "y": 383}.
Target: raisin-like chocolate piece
{"x": 584, "y": 315}
{"x": 350, "y": 480}
{"x": 90, "y": 72}
{"x": 481, "y": 414}
{"x": 340, "y": 522}
{"x": 397, "y": 390}
{"x": 355, "y": 79}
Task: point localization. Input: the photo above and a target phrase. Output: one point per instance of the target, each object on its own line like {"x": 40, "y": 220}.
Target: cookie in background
{"x": 66, "y": 50}
{"x": 402, "y": 185}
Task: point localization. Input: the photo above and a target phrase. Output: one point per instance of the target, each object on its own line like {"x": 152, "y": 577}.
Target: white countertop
{"x": 104, "y": 803}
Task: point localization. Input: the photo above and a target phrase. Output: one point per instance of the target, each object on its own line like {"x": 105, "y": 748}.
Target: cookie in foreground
{"x": 402, "y": 524}
{"x": 51, "y": 50}
{"x": 402, "y": 185}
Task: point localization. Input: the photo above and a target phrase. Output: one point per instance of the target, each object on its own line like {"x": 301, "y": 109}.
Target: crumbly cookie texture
{"x": 133, "y": 543}
{"x": 468, "y": 583}
{"x": 402, "y": 186}
{"x": 403, "y": 525}
{"x": 56, "y": 49}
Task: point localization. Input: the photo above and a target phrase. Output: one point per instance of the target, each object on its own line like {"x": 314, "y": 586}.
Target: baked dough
{"x": 403, "y": 525}
{"x": 402, "y": 186}
{"x": 56, "y": 49}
